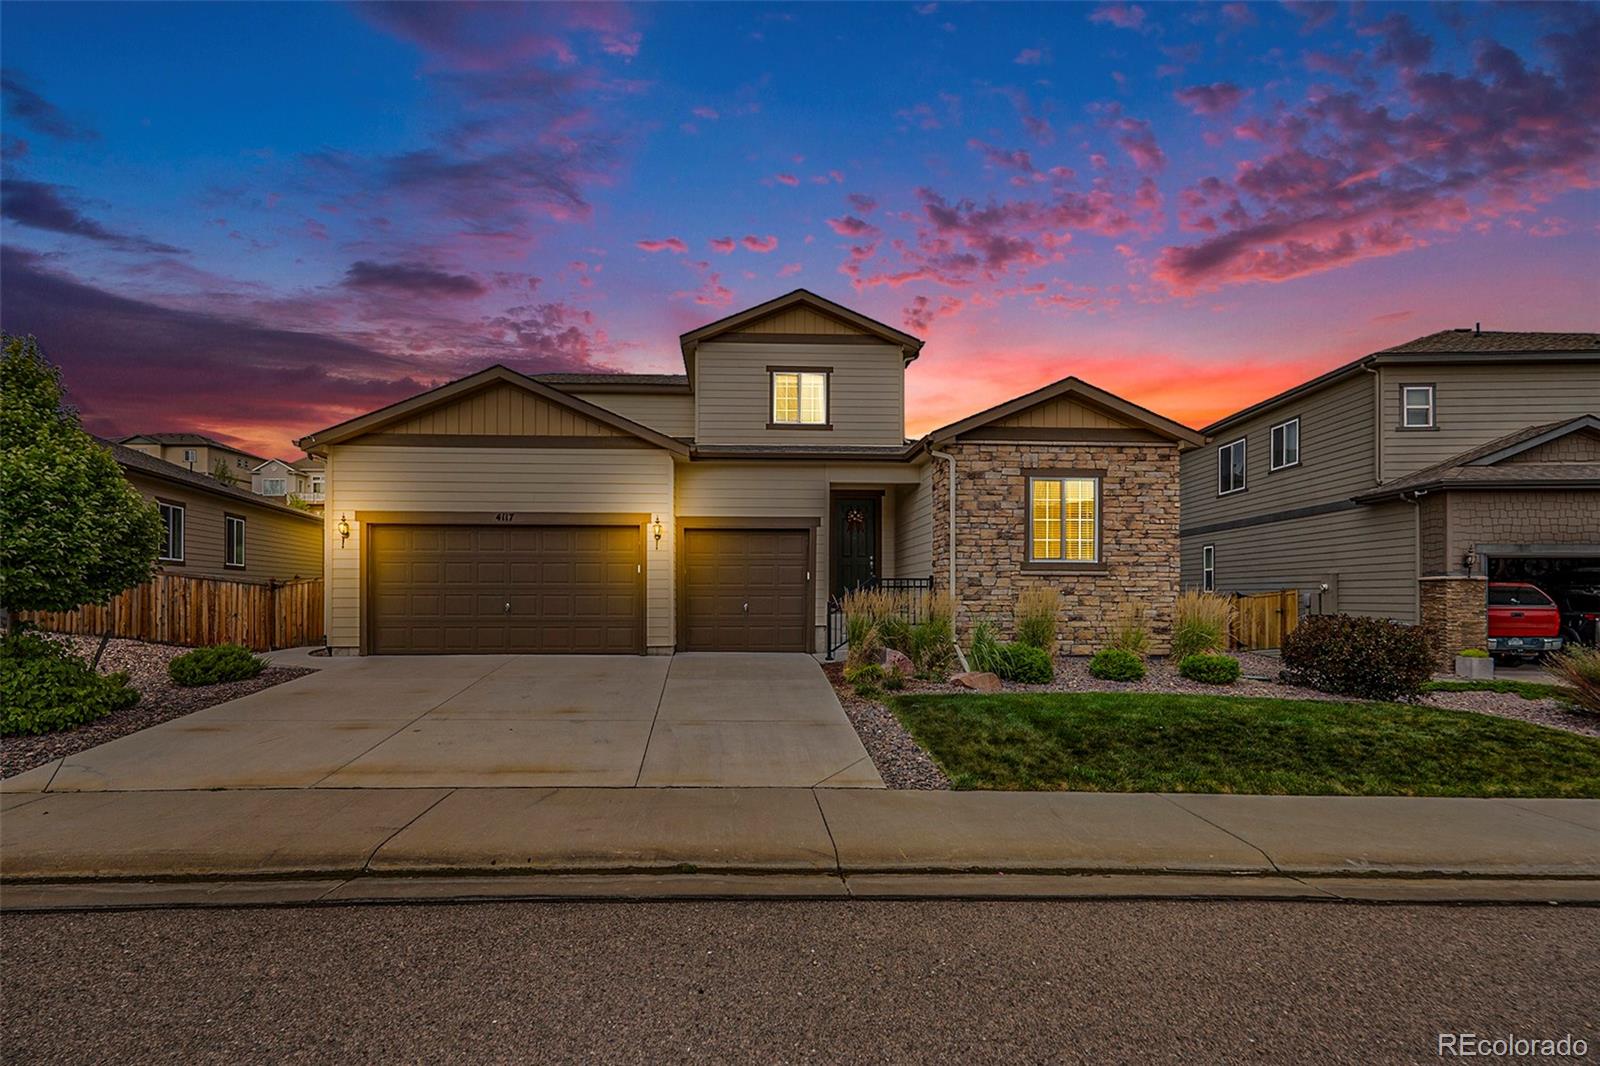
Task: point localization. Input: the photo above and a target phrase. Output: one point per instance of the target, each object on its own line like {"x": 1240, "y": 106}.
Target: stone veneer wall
{"x": 1455, "y": 610}
{"x": 1139, "y": 537}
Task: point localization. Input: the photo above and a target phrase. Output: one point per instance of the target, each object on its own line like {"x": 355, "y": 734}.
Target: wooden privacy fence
{"x": 1263, "y": 619}
{"x": 196, "y": 611}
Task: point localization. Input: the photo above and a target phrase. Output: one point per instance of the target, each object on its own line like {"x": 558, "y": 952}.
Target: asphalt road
{"x": 1069, "y": 981}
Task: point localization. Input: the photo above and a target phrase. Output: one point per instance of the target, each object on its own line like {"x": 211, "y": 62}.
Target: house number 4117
{"x": 505, "y": 516}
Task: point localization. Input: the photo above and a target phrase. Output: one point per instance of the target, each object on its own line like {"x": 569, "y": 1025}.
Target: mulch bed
{"x": 159, "y": 701}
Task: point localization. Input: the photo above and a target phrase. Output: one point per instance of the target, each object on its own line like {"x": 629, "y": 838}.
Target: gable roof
{"x": 1077, "y": 388}
{"x": 649, "y": 383}
{"x": 909, "y": 345}
{"x": 281, "y": 462}
{"x": 453, "y": 390}
{"x": 1466, "y": 345}
{"x": 1479, "y": 467}
{"x": 159, "y": 468}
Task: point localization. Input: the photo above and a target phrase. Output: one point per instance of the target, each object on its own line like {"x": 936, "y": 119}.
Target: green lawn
{"x": 1147, "y": 742}
{"x": 1528, "y": 690}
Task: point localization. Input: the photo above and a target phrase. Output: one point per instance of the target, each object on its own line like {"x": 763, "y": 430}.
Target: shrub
{"x": 1021, "y": 663}
{"x": 893, "y": 681}
{"x": 1035, "y": 617}
{"x": 1579, "y": 667}
{"x": 1210, "y": 669}
{"x": 215, "y": 665}
{"x": 865, "y": 679}
{"x": 1370, "y": 658}
{"x": 1129, "y": 632}
{"x": 1473, "y": 653}
{"x": 1117, "y": 664}
{"x": 1201, "y": 623}
{"x": 44, "y": 687}
{"x": 932, "y": 647}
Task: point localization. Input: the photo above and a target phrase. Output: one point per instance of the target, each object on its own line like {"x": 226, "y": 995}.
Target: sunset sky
{"x": 256, "y": 221}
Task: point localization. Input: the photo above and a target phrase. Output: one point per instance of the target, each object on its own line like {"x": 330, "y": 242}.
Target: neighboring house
{"x": 279, "y": 479}
{"x": 1398, "y": 484}
{"x": 313, "y": 490}
{"x": 723, "y": 508}
{"x": 216, "y": 530}
{"x": 194, "y": 451}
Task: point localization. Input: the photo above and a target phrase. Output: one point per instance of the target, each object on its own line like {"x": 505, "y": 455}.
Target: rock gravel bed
{"x": 159, "y": 701}
{"x": 901, "y": 761}
{"x": 1509, "y": 705}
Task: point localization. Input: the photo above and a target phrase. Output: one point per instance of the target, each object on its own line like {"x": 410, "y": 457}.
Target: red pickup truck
{"x": 1523, "y": 621}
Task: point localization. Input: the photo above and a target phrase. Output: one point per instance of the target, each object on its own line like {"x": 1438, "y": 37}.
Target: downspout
{"x": 1416, "y": 552}
{"x": 1377, "y": 424}
{"x": 950, "y": 533}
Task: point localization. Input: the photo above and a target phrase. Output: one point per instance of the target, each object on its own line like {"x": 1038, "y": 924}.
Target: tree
{"x": 74, "y": 530}
{"x": 221, "y": 471}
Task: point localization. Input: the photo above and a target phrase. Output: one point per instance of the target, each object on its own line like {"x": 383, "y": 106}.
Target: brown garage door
{"x": 746, "y": 590}
{"x": 465, "y": 589}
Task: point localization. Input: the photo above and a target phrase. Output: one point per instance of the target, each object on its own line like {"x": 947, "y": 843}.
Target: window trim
{"x": 267, "y": 483}
{"x": 1208, "y": 568}
{"x": 1272, "y": 445}
{"x": 166, "y": 538}
{"x": 228, "y": 518}
{"x": 1433, "y": 406}
{"x": 1051, "y": 566}
{"x": 191, "y": 455}
{"x": 827, "y": 396}
{"x": 1244, "y": 466}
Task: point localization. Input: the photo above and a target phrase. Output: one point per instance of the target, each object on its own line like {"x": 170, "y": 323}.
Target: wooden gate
{"x": 1263, "y": 619}
{"x": 196, "y": 611}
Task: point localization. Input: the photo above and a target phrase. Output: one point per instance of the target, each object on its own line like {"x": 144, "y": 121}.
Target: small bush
{"x": 1117, "y": 664}
{"x": 1201, "y": 623}
{"x": 1017, "y": 662}
{"x": 932, "y": 647}
{"x": 1370, "y": 658}
{"x": 1035, "y": 617}
{"x": 1473, "y": 653}
{"x": 866, "y": 679}
{"x": 44, "y": 687}
{"x": 1210, "y": 669}
{"x": 215, "y": 665}
{"x": 1130, "y": 633}
{"x": 893, "y": 681}
{"x": 1579, "y": 667}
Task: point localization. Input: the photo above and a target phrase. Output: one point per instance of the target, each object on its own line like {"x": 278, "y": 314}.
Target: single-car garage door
{"x": 746, "y": 590}
{"x": 467, "y": 589}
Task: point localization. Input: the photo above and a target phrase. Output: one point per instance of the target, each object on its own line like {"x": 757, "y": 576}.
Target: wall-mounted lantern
{"x": 655, "y": 529}
{"x": 1470, "y": 560}
{"x": 343, "y": 529}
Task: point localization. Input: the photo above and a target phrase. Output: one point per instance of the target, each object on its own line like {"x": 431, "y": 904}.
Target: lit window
{"x": 232, "y": 540}
{"x": 799, "y": 398}
{"x": 1286, "y": 444}
{"x": 1416, "y": 404}
{"x": 171, "y": 532}
{"x": 1208, "y": 568}
{"x": 1230, "y": 468}
{"x": 1064, "y": 519}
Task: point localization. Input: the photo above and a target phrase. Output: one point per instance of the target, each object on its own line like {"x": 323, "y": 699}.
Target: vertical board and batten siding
{"x": 524, "y": 480}
{"x": 733, "y": 401}
{"x": 1367, "y": 554}
{"x": 277, "y": 546}
{"x": 1063, "y": 412}
{"x": 913, "y": 528}
{"x": 503, "y": 409}
{"x": 801, "y": 320}
{"x": 668, "y": 413}
{"x": 1475, "y": 404}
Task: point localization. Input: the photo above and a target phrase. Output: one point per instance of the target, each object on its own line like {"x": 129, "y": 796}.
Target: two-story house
{"x": 722, "y": 508}
{"x": 196, "y": 452}
{"x": 281, "y": 480}
{"x": 1399, "y": 484}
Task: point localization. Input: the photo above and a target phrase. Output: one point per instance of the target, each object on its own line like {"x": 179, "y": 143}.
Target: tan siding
{"x": 913, "y": 529}
{"x": 800, "y": 319}
{"x": 669, "y": 413}
{"x": 1476, "y": 404}
{"x": 491, "y": 480}
{"x": 1063, "y": 412}
{"x": 1336, "y": 441}
{"x": 1367, "y": 554}
{"x": 502, "y": 410}
{"x": 733, "y": 402}
{"x": 277, "y": 546}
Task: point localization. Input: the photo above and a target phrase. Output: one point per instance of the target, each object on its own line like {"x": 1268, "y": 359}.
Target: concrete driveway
{"x": 505, "y": 721}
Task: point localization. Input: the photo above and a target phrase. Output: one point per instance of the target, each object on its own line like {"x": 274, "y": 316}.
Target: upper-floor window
{"x": 242, "y": 464}
{"x": 1286, "y": 444}
{"x": 1208, "y": 568}
{"x": 1064, "y": 519}
{"x": 232, "y": 540}
{"x": 799, "y": 397}
{"x": 272, "y": 486}
{"x": 1416, "y": 406}
{"x": 316, "y": 485}
{"x": 171, "y": 531}
{"x": 1230, "y": 468}
{"x": 190, "y": 455}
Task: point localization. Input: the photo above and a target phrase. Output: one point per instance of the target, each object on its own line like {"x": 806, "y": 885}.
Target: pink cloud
{"x": 1218, "y": 98}
{"x": 708, "y": 113}
{"x": 852, "y": 227}
{"x": 1032, "y": 57}
{"x": 921, "y": 312}
{"x": 722, "y": 245}
{"x": 668, "y": 244}
{"x": 786, "y": 179}
{"x": 763, "y": 245}
{"x": 1122, "y": 16}
{"x": 789, "y": 270}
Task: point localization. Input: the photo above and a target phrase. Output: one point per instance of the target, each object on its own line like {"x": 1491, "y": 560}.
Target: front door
{"x": 856, "y": 542}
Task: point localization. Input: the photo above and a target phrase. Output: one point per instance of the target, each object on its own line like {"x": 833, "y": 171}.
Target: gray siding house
{"x": 1385, "y": 487}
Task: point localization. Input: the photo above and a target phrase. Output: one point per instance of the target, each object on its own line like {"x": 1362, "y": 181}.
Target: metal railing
{"x": 911, "y": 608}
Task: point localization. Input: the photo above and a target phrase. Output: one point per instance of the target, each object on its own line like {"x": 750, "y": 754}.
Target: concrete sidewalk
{"x": 289, "y": 845}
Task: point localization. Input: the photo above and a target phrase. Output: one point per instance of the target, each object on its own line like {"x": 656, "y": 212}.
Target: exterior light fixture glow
{"x": 655, "y": 528}
{"x": 343, "y": 529}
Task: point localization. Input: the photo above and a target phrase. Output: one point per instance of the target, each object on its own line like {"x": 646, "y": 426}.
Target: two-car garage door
{"x": 467, "y": 589}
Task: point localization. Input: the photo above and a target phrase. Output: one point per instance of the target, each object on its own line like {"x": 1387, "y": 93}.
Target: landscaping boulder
{"x": 898, "y": 662}
{"x": 977, "y": 682}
